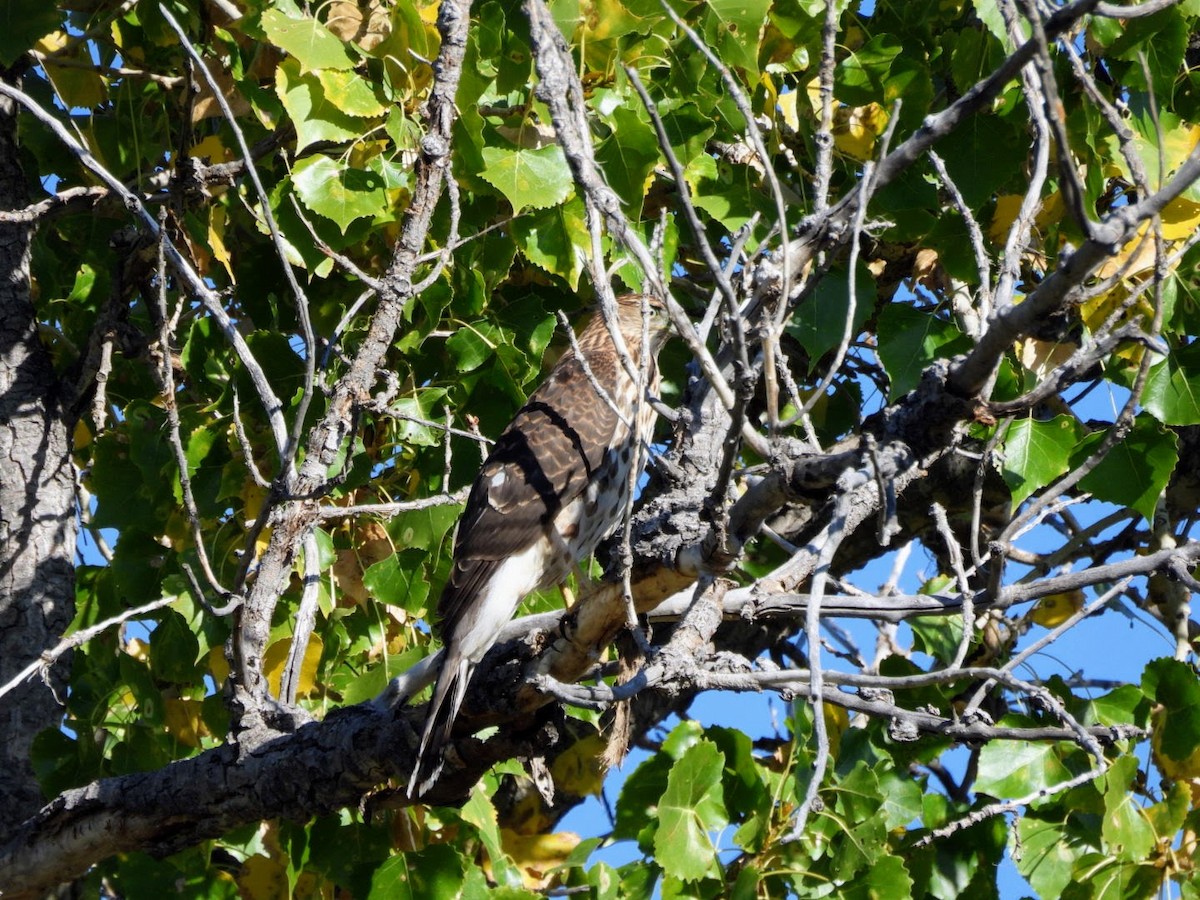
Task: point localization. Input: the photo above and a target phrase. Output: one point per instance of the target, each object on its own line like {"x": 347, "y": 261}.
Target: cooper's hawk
{"x": 555, "y": 484}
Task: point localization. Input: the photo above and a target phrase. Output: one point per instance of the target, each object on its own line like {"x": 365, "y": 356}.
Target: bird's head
{"x": 635, "y": 309}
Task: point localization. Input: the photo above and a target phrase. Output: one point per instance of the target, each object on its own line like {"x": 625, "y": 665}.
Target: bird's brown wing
{"x": 542, "y": 461}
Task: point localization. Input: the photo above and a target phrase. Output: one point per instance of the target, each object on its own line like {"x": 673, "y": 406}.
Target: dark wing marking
{"x": 542, "y": 461}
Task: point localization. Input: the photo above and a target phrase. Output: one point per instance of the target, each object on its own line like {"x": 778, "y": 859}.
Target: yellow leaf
{"x": 253, "y": 497}
{"x": 1096, "y": 311}
{"x": 429, "y": 13}
{"x": 83, "y": 435}
{"x": 837, "y": 720}
{"x": 1135, "y": 257}
{"x": 578, "y": 770}
{"x": 371, "y": 545}
{"x": 1043, "y": 357}
{"x": 216, "y": 239}
{"x": 1185, "y": 771}
{"x": 1007, "y": 207}
{"x": 1052, "y": 211}
{"x": 856, "y": 128}
{"x": 813, "y": 89}
{"x": 262, "y": 878}
{"x": 537, "y": 854}
{"x": 1051, "y": 611}
{"x": 308, "y": 886}
{"x": 178, "y": 530}
{"x": 138, "y": 649}
{"x": 260, "y": 544}
{"x": 276, "y": 658}
{"x": 528, "y": 814}
{"x": 1178, "y": 144}
{"x": 1180, "y": 219}
{"x": 52, "y": 43}
{"x": 212, "y": 149}
{"x": 218, "y": 664}
{"x": 937, "y": 584}
{"x": 183, "y": 721}
{"x": 787, "y": 109}
{"x": 78, "y": 88}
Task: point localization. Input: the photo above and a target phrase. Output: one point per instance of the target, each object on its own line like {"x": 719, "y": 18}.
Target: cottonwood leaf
{"x": 691, "y": 807}
{"x": 909, "y": 340}
{"x": 1036, "y": 453}
{"x": 1016, "y": 768}
{"x": 436, "y": 871}
{"x": 399, "y": 580}
{"x": 312, "y": 44}
{"x": 1135, "y": 471}
{"x": 315, "y": 117}
{"x": 351, "y": 93}
{"x": 22, "y": 22}
{"x": 1172, "y": 392}
{"x": 339, "y": 192}
{"x": 536, "y": 179}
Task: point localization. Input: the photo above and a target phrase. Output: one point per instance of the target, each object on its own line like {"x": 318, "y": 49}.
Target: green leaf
{"x": 312, "y": 44}
{"x": 1126, "y": 828}
{"x": 536, "y": 179}
{"x": 399, "y": 580}
{"x": 1174, "y": 684}
{"x": 554, "y": 239}
{"x": 887, "y": 879}
{"x": 1172, "y": 392}
{"x": 853, "y": 821}
{"x": 733, "y": 28}
{"x": 860, "y": 76}
{"x": 1048, "y": 854}
{"x": 627, "y": 157}
{"x": 1134, "y": 472}
{"x": 746, "y": 792}
{"x": 199, "y": 444}
{"x": 315, "y": 117}
{"x": 990, "y": 15}
{"x": 472, "y": 346}
{"x": 426, "y": 405}
{"x": 424, "y": 529}
{"x": 1159, "y": 41}
{"x": 339, "y": 192}
{"x": 1097, "y": 876}
{"x": 691, "y": 807}
{"x": 688, "y": 129}
{"x": 350, "y": 93}
{"x": 436, "y": 871}
{"x": 901, "y": 799}
{"x": 1036, "y": 453}
{"x": 173, "y": 649}
{"x": 820, "y": 321}
{"x": 909, "y": 340}
{"x": 639, "y": 794}
{"x": 22, "y": 24}
{"x": 480, "y": 813}
{"x": 982, "y": 155}
{"x": 1010, "y": 769}
{"x": 1118, "y": 707}
{"x": 939, "y": 636}
{"x": 729, "y": 192}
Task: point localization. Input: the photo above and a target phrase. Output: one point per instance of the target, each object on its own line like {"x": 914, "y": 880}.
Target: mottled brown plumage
{"x": 553, "y": 487}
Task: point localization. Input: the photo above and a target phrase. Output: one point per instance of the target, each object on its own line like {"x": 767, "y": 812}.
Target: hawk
{"x": 555, "y": 484}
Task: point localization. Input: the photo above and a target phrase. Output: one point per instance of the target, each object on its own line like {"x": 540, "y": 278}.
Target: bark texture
{"x": 37, "y": 505}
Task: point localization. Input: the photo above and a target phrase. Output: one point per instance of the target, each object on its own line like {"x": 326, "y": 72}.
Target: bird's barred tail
{"x": 448, "y": 696}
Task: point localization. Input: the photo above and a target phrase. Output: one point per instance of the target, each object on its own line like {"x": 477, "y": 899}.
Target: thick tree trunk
{"x": 37, "y": 505}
